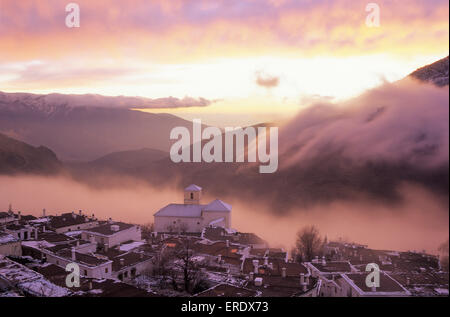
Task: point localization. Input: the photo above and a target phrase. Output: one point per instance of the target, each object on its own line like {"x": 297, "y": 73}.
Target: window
{"x": 85, "y": 272}
{"x": 192, "y": 195}
{"x": 125, "y": 274}
{"x": 133, "y": 272}
{"x": 57, "y": 262}
{"x": 106, "y": 270}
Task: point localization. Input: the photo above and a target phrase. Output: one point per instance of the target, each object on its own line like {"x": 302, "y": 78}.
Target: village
{"x": 191, "y": 249}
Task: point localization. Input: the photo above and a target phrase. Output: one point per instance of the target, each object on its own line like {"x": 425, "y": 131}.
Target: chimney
{"x": 255, "y": 266}
{"x": 106, "y": 247}
{"x": 323, "y": 261}
{"x": 219, "y": 258}
{"x": 122, "y": 262}
{"x": 304, "y": 287}
{"x": 251, "y": 275}
{"x": 258, "y": 281}
{"x": 80, "y": 212}
{"x": 283, "y": 272}
{"x": 78, "y": 243}
{"x": 35, "y": 233}
{"x": 115, "y": 228}
{"x": 228, "y": 243}
{"x": 43, "y": 228}
{"x": 302, "y": 278}
{"x": 110, "y": 220}
{"x": 73, "y": 254}
{"x": 408, "y": 281}
{"x": 307, "y": 279}
{"x": 266, "y": 261}
{"x": 141, "y": 255}
{"x": 360, "y": 257}
{"x": 43, "y": 213}
{"x": 90, "y": 285}
{"x": 92, "y": 239}
{"x": 19, "y": 215}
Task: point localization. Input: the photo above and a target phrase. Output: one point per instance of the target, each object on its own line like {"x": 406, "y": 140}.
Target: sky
{"x": 254, "y": 60}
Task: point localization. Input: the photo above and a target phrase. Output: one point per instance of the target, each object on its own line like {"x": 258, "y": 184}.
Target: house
{"x": 111, "y": 233}
{"x": 9, "y": 245}
{"x": 128, "y": 265}
{"x": 91, "y": 266}
{"x": 354, "y": 285}
{"x": 192, "y": 216}
{"x": 20, "y": 231}
{"x": 72, "y": 222}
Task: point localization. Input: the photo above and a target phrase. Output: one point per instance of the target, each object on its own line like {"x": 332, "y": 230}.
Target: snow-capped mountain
{"x": 50, "y": 104}
{"x": 77, "y": 130}
{"x": 436, "y": 73}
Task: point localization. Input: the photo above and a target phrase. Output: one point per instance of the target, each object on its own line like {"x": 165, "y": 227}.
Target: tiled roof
{"x": 180, "y": 210}
{"x": 217, "y": 205}
{"x": 227, "y": 290}
{"x": 105, "y": 229}
{"x": 336, "y": 266}
{"x": 68, "y": 219}
{"x": 387, "y": 284}
{"x": 81, "y": 258}
{"x": 193, "y": 188}
{"x": 129, "y": 259}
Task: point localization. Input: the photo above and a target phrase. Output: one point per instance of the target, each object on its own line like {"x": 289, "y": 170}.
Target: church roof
{"x": 193, "y": 188}
{"x": 217, "y": 205}
{"x": 191, "y": 210}
{"x": 180, "y": 210}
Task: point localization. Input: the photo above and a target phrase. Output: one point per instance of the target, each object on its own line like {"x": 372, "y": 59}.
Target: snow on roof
{"x": 40, "y": 220}
{"x": 441, "y": 291}
{"x": 180, "y": 210}
{"x": 193, "y": 188}
{"x": 218, "y": 205}
{"x": 130, "y": 246}
{"x": 216, "y": 221}
{"x": 28, "y": 280}
{"x": 44, "y": 288}
{"x": 192, "y": 211}
{"x": 7, "y": 238}
{"x": 38, "y": 244}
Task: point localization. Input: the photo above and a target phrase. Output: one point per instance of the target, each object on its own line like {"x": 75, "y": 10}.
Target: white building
{"x": 110, "y": 234}
{"x": 72, "y": 222}
{"x": 192, "y": 216}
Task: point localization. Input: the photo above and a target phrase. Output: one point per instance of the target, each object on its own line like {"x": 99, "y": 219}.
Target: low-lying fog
{"x": 419, "y": 223}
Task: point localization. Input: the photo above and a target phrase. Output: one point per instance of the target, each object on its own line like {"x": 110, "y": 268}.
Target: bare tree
{"x": 309, "y": 243}
{"x": 147, "y": 230}
{"x": 185, "y": 264}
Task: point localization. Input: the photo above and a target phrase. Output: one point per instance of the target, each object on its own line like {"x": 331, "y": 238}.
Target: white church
{"x": 192, "y": 216}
